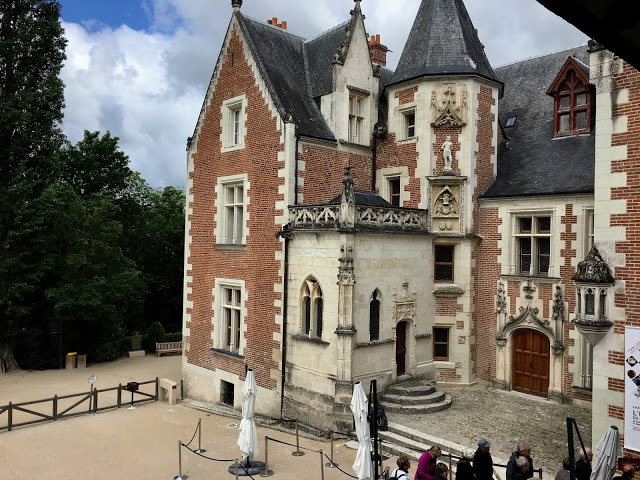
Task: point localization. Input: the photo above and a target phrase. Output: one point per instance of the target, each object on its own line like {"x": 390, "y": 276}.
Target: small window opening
{"x": 227, "y": 390}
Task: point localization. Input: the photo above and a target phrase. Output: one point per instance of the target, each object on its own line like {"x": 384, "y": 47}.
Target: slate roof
{"x": 532, "y": 162}
{"x": 442, "y": 41}
{"x": 369, "y": 199}
{"x": 320, "y": 51}
{"x": 281, "y": 59}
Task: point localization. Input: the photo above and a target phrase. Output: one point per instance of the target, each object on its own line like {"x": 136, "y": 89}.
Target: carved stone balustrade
{"x": 367, "y": 219}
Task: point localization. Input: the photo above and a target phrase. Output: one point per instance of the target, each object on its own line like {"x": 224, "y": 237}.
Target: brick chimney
{"x": 378, "y": 51}
{"x": 274, "y": 22}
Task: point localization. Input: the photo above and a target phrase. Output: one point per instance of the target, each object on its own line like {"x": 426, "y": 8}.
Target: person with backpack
{"x": 402, "y": 472}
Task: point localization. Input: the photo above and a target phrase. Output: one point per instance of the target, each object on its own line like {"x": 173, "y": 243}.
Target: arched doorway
{"x": 401, "y": 347}
{"x": 530, "y": 362}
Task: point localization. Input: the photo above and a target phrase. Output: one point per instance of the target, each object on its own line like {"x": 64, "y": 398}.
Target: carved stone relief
{"x": 447, "y": 113}
{"x": 446, "y": 205}
{"x": 501, "y": 299}
{"x": 346, "y": 275}
{"x": 404, "y": 306}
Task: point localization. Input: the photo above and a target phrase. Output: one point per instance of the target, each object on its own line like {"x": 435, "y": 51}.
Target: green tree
{"x": 31, "y": 101}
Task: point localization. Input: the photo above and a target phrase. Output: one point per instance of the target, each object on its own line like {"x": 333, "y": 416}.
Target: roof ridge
{"x": 330, "y": 30}
{"x": 535, "y": 57}
{"x": 273, "y": 26}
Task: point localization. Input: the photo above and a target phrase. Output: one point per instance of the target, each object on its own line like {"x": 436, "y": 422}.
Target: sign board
{"x": 92, "y": 379}
{"x": 632, "y": 388}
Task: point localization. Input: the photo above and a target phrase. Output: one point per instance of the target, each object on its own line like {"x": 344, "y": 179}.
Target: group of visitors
{"x": 475, "y": 465}
{"x": 478, "y": 465}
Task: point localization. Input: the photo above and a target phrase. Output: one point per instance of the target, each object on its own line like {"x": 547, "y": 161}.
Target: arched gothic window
{"x": 603, "y": 302}
{"x": 374, "y": 317}
{"x": 589, "y": 302}
{"x": 312, "y": 308}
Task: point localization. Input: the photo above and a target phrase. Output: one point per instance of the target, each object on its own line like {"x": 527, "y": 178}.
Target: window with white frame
{"x": 312, "y": 308}
{"x": 409, "y": 124}
{"x": 233, "y": 211}
{"x": 589, "y": 230}
{"x": 230, "y": 316}
{"x": 355, "y": 132}
{"x": 233, "y": 123}
{"x": 533, "y": 245}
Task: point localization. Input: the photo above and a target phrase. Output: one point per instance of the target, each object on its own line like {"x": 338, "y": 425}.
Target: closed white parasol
{"x": 604, "y": 465}
{"x": 363, "y": 465}
{"x": 248, "y": 439}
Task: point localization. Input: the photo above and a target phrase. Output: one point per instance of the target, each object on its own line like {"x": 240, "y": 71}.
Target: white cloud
{"x": 147, "y": 87}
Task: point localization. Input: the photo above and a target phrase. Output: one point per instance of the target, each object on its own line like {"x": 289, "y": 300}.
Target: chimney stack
{"x": 274, "y": 22}
{"x": 378, "y": 51}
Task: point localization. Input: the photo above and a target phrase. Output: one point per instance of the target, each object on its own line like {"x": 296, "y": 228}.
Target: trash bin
{"x": 72, "y": 358}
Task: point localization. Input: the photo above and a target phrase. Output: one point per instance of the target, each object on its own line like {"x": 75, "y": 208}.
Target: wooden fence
{"x": 64, "y": 406}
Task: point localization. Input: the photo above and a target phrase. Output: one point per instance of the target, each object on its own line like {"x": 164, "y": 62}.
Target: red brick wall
{"x": 255, "y": 265}
{"x": 440, "y": 136}
{"x": 486, "y": 120}
{"x": 447, "y": 306}
{"x": 486, "y": 285}
{"x": 629, "y": 300}
{"x": 324, "y": 171}
{"x": 406, "y": 96}
{"x": 392, "y": 155}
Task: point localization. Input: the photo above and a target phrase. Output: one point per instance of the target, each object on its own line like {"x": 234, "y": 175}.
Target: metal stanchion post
{"x": 180, "y": 476}
{"x": 379, "y": 466}
{"x": 449, "y": 462}
{"x": 298, "y": 452}
{"x": 266, "y": 472}
{"x": 200, "y": 449}
{"x": 237, "y": 468}
{"x": 321, "y": 465}
{"x": 330, "y": 463}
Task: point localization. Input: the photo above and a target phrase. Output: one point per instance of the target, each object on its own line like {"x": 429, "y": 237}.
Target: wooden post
{"x": 119, "y": 395}
{"x": 157, "y": 389}
{"x": 10, "y": 416}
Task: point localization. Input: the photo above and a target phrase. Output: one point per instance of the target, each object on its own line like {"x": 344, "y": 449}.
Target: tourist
{"x": 442, "y": 472}
{"x": 482, "y": 461}
{"x": 522, "y": 468}
{"x": 522, "y": 450}
{"x": 380, "y": 418}
{"x": 583, "y": 465}
{"x": 564, "y": 474}
{"x": 464, "y": 470}
{"x": 402, "y": 472}
{"x": 628, "y": 471}
{"x": 427, "y": 464}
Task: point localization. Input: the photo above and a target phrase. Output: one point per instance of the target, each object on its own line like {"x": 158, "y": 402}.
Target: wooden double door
{"x": 530, "y": 362}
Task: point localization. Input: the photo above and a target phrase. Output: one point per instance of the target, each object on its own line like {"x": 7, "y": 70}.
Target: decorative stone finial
{"x": 236, "y": 4}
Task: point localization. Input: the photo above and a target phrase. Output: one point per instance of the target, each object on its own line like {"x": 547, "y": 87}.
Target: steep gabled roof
{"x": 320, "y": 55}
{"x": 443, "y": 42}
{"x": 280, "y": 59}
{"x": 531, "y": 162}
{"x": 582, "y": 72}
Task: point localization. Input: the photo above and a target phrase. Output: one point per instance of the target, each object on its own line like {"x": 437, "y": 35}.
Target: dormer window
{"x": 572, "y": 107}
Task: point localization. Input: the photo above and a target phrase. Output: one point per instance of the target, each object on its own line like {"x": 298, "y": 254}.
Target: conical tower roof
{"x": 443, "y": 42}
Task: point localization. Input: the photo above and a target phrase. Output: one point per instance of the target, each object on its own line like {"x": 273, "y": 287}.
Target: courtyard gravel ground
{"x": 504, "y": 418}
{"x": 143, "y": 443}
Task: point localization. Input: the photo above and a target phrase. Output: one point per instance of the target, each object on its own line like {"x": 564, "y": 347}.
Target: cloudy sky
{"x": 140, "y": 68}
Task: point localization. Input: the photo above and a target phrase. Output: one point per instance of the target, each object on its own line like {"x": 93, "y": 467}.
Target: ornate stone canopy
{"x": 593, "y": 269}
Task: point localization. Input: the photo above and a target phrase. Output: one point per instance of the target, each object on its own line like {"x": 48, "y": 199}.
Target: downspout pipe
{"x": 287, "y": 236}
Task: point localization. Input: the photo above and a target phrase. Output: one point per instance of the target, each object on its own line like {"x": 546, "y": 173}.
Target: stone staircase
{"x": 415, "y": 397}
{"x": 413, "y": 443}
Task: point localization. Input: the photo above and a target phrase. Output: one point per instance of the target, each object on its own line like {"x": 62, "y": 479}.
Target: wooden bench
{"x": 168, "y": 347}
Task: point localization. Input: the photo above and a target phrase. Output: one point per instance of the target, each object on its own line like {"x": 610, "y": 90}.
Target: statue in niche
{"x": 446, "y": 204}
{"x": 447, "y": 148}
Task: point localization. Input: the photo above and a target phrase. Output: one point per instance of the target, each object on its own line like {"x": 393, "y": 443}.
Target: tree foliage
{"x": 83, "y": 239}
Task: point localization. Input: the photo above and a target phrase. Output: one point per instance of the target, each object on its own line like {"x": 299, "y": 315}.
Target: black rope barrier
{"x": 336, "y": 466}
{"x": 345, "y": 434}
{"x": 194, "y": 435}
{"x": 292, "y": 445}
{"x": 209, "y": 458}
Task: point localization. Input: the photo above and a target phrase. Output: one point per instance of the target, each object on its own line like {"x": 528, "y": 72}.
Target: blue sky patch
{"x": 93, "y": 14}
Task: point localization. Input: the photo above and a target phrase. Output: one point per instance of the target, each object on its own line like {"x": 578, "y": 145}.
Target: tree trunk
{"x": 7, "y": 362}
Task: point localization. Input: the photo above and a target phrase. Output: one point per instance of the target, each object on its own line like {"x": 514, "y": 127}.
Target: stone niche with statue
{"x": 446, "y": 194}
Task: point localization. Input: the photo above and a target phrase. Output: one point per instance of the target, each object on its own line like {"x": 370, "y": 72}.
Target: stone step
{"x": 408, "y": 409}
{"x": 434, "y": 397}
{"x": 412, "y": 388}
